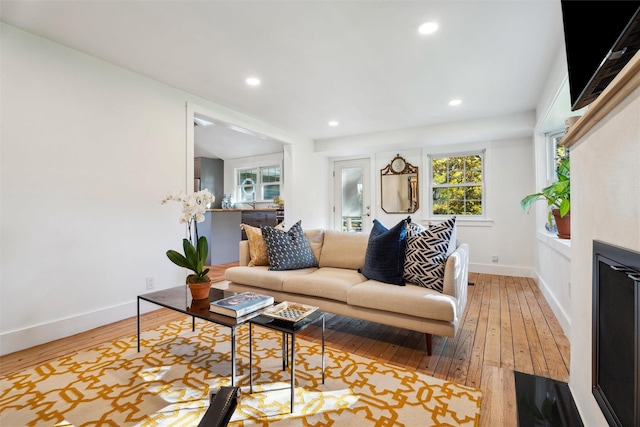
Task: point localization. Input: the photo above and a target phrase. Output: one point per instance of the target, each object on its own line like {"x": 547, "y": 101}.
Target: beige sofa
{"x": 336, "y": 286}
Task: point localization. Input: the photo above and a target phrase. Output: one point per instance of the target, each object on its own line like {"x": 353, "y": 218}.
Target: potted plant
{"x": 195, "y": 247}
{"x": 558, "y": 197}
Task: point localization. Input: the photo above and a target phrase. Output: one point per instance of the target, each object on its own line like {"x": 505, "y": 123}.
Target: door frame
{"x": 368, "y": 191}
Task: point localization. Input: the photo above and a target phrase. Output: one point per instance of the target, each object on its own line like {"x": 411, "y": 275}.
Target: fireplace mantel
{"x": 622, "y": 85}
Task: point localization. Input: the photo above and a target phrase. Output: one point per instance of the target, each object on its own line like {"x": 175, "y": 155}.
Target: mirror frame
{"x": 399, "y": 166}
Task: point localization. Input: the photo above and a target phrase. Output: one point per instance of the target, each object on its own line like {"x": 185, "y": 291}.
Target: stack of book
{"x": 240, "y": 305}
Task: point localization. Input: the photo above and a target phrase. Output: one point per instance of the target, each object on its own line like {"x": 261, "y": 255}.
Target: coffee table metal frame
{"x": 179, "y": 299}
{"x": 288, "y": 329}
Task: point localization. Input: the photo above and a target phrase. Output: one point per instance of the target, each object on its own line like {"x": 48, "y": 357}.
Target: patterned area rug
{"x": 169, "y": 381}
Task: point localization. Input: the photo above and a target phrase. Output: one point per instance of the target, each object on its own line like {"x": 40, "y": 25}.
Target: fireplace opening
{"x": 616, "y": 341}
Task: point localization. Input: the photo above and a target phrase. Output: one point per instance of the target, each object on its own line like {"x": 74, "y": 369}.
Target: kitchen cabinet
{"x": 209, "y": 173}
{"x": 222, "y": 229}
{"x": 258, "y": 218}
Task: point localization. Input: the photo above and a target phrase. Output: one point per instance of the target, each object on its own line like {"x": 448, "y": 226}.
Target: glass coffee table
{"x": 179, "y": 299}
{"x": 288, "y": 329}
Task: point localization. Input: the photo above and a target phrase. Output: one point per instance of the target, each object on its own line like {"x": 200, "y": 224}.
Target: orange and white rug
{"x": 169, "y": 381}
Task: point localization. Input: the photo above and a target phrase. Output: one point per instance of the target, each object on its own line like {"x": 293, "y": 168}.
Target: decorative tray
{"x": 289, "y": 311}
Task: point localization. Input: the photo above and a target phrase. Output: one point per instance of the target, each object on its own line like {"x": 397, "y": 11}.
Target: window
{"x": 258, "y": 184}
{"x": 556, "y": 153}
{"x": 457, "y": 185}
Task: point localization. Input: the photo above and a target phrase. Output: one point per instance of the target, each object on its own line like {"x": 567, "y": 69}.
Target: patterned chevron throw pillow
{"x": 426, "y": 254}
{"x": 288, "y": 250}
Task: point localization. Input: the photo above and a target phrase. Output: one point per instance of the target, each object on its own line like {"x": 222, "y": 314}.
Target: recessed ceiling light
{"x": 333, "y": 123}
{"x": 455, "y": 102}
{"x": 253, "y": 81}
{"x": 428, "y": 28}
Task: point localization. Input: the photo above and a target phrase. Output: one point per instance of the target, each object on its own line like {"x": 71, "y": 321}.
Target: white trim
{"x": 562, "y": 246}
{"x": 551, "y": 145}
{"x": 20, "y": 339}
{"x": 561, "y": 315}
{"x": 368, "y": 194}
{"x": 259, "y": 184}
{"x": 482, "y": 152}
{"x": 461, "y": 221}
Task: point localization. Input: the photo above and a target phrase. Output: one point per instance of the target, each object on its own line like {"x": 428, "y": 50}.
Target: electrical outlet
{"x": 494, "y": 258}
{"x": 151, "y": 283}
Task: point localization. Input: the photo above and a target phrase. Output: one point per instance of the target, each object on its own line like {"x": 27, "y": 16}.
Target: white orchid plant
{"x": 195, "y": 247}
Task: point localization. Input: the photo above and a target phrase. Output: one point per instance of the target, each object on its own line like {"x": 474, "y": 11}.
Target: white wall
{"x": 552, "y": 256}
{"x": 553, "y": 275}
{"x": 506, "y": 232}
{"x": 605, "y": 205}
{"x": 308, "y": 193}
{"x": 88, "y": 150}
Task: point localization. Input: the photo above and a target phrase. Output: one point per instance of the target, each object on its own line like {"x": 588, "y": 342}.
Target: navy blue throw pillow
{"x": 384, "y": 259}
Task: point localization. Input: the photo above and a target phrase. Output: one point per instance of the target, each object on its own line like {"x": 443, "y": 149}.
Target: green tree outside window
{"x": 457, "y": 185}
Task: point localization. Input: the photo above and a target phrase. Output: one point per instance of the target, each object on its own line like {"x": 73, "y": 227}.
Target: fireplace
{"x": 616, "y": 339}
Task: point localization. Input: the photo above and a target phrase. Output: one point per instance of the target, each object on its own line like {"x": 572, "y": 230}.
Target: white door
{"x": 352, "y": 195}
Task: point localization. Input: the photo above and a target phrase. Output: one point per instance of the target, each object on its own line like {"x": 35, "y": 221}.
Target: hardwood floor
{"x": 507, "y": 326}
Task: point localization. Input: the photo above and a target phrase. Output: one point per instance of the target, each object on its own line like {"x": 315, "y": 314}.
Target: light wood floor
{"x": 507, "y": 327}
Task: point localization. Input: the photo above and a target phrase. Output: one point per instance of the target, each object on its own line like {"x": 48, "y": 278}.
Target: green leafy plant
{"x": 557, "y": 195}
{"x": 195, "y": 248}
{"x": 193, "y": 259}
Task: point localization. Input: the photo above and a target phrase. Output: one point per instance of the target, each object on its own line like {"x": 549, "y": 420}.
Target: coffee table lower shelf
{"x": 179, "y": 299}
{"x": 287, "y": 329}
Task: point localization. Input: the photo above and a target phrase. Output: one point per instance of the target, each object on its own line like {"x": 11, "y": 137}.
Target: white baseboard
{"x": 501, "y": 270}
{"x": 31, "y": 336}
{"x": 558, "y": 310}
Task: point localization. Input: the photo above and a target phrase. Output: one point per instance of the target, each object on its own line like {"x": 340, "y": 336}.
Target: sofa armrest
{"x": 245, "y": 256}
{"x": 456, "y": 276}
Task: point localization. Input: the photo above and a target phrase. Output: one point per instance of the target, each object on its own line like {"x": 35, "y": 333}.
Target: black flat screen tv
{"x": 600, "y": 38}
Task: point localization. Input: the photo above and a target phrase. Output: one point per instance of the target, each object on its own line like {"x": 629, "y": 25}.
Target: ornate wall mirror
{"x": 399, "y": 187}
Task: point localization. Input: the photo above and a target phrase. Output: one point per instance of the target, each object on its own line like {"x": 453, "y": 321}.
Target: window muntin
{"x": 457, "y": 185}
{"x": 258, "y": 183}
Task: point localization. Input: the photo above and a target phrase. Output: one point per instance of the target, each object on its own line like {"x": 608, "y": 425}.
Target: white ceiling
{"x": 361, "y": 63}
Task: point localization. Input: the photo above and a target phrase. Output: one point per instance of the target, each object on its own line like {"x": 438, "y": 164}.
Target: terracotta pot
{"x": 199, "y": 290}
{"x": 563, "y": 223}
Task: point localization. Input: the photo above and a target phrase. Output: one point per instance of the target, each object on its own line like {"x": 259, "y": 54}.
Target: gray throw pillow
{"x": 288, "y": 250}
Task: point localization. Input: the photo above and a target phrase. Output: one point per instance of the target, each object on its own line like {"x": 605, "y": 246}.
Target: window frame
{"x": 483, "y": 157}
{"x": 553, "y": 141}
{"x": 259, "y": 184}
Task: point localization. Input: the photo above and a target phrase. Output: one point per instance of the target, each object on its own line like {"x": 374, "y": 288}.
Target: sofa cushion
{"x": 261, "y": 277}
{"x": 327, "y": 282}
{"x": 288, "y": 250}
{"x": 343, "y": 250}
{"x": 257, "y": 245}
{"x": 426, "y": 255}
{"x": 315, "y": 237}
{"x": 412, "y": 300}
{"x": 384, "y": 259}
